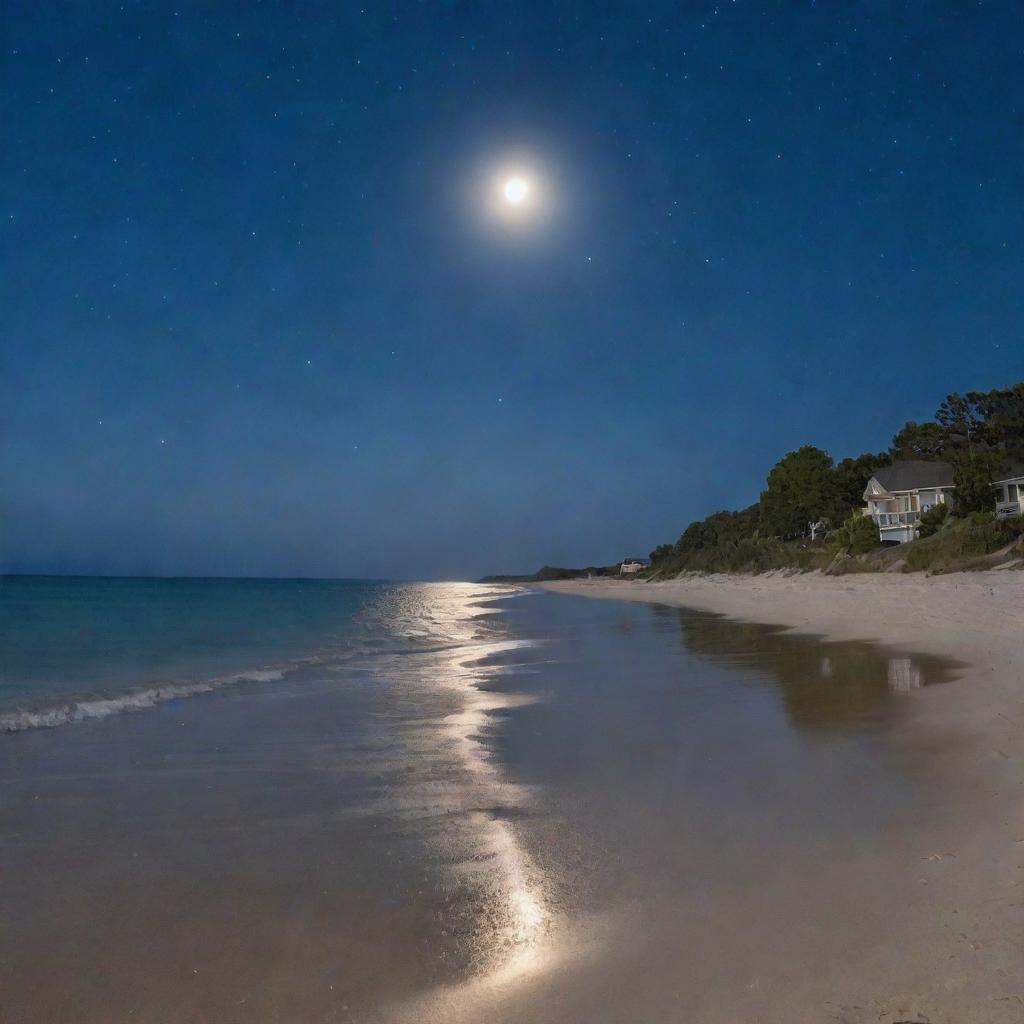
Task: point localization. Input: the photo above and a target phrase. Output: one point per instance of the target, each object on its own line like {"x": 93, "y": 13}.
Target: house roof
{"x": 1014, "y": 471}
{"x": 914, "y": 474}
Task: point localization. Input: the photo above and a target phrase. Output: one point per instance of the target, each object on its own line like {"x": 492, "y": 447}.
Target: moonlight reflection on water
{"x": 456, "y": 780}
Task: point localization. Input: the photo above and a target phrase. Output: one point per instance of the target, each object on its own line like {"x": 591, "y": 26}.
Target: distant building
{"x": 631, "y": 566}
{"x": 897, "y": 495}
{"x": 1010, "y": 493}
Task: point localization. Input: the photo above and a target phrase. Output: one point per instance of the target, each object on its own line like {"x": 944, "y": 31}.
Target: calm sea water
{"x": 81, "y": 647}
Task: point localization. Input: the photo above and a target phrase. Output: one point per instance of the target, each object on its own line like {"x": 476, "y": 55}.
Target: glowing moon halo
{"x": 516, "y": 190}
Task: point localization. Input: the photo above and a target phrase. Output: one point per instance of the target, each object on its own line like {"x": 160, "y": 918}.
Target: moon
{"x": 515, "y": 194}
{"x": 516, "y": 190}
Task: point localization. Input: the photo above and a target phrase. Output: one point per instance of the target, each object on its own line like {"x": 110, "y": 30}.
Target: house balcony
{"x": 896, "y": 520}
{"x": 1007, "y": 509}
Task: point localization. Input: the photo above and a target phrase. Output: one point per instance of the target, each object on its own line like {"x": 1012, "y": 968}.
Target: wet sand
{"x": 584, "y": 810}
{"x": 959, "y": 913}
{"x": 975, "y": 617}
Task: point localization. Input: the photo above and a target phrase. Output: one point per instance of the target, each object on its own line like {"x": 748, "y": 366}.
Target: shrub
{"x": 973, "y": 476}
{"x": 859, "y": 534}
{"x": 662, "y": 552}
{"x": 962, "y": 543}
{"x": 932, "y": 520}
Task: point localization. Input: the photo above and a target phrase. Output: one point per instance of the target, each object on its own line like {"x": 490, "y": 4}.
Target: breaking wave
{"x": 67, "y": 710}
{"x": 429, "y": 620}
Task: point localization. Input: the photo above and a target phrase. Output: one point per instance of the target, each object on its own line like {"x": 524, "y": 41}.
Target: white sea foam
{"x": 81, "y": 708}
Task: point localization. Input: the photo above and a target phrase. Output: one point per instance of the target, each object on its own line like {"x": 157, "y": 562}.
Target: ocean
{"x": 73, "y": 648}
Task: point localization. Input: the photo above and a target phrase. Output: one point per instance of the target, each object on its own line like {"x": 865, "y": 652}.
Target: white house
{"x": 631, "y": 566}
{"x": 1010, "y": 493}
{"x": 897, "y": 495}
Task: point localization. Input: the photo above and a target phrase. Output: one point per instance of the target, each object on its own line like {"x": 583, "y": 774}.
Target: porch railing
{"x": 1007, "y": 509}
{"x": 891, "y": 520}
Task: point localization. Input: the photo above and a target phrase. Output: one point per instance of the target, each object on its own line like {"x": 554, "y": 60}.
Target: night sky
{"x": 259, "y": 316}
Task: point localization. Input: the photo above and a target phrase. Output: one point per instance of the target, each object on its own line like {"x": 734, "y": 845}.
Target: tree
{"x": 932, "y": 519}
{"x": 978, "y": 421}
{"x": 918, "y": 441}
{"x": 801, "y": 489}
{"x": 860, "y": 534}
{"x": 718, "y": 530}
{"x": 661, "y": 552}
{"x": 958, "y": 418}
{"x": 973, "y": 475}
{"x": 1001, "y": 412}
{"x": 852, "y": 476}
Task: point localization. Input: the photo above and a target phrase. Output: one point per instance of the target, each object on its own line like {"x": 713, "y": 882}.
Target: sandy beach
{"x": 975, "y": 618}
{"x": 968, "y": 892}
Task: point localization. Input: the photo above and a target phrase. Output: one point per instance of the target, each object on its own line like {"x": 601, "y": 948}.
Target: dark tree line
{"x": 977, "y": 423}
{"x": 979, "y": 433}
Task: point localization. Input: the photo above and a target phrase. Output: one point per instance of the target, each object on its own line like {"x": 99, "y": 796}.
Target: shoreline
{"x": 888, "y": 608}
{"x": 976, "y": 619}
{"x": 973, "y": 620}
{"x": 968, "y": 872}
{"x": 972, "y": 625}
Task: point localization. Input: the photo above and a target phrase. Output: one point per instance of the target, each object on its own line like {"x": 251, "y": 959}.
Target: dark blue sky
{"x": 257, "y": 319}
